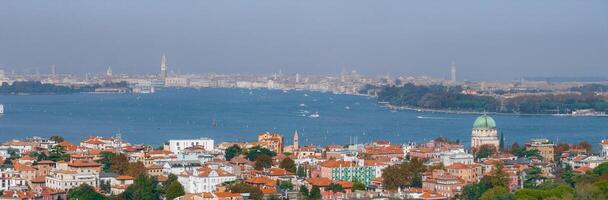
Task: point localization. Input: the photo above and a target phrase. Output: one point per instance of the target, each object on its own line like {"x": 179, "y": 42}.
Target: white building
{"x": 204, "y": 179}
{"x": 604, "y": 149}
{"x": 10, "y": 178}
{"x": 176, "y": 146}
{"x": 484, "y": 132}
{"x": 456, "y": 156}
{"x": 68, "y": 179}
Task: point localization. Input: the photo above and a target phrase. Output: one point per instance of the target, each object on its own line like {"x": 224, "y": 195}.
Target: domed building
{"x": 484, "y": 132}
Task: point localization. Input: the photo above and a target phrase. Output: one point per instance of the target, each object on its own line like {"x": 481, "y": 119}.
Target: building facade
{"x": 544, "y": 146}
{"x": 177, "y": 146}
{"x": 272, "y": 141}
{"x": 484, "y": 132}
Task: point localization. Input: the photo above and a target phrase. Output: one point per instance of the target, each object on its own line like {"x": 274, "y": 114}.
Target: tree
{"x": 119, "y": 163}
{"x": 301, "y": 172}
{"x": 404, "y": 175}
{"x": 533, "y": 178}
{"x": 474, "y": 191}
{"x": 58, "y": 153}
{"x": 585, "y": 145}
{"x": 601, "y": 169}
{"x": 334, "y": 187}
{"x": 135, "y": 169}
{"x": 262, "y": 162}
{"x": 286, "y": 185}
{"x": 497, "y": 193}
{"x": 254, "y": 192}
{"x": 304, "y": 191}
{"x": 143, "y": 188}
{"x": 358, "y": 185}
{"x": 84, "y": 192}
{"x": 170, "y": 179}
{"x": 105, "y": 186}
{"x": 514, "y": 148}
{"x": 288, "y": 164}
{"x": 175, "y": 190}
{"x": 501, "y": 144}
{"x": 254, "y": 152}
{"x": 485, "y": 151}
{"x": 568, "y": 175}
{"x": 315, "y": 193}
{"x": 57, "y": 139}
{"x": 232, "y": 152}
{"x": 498, "y": 177}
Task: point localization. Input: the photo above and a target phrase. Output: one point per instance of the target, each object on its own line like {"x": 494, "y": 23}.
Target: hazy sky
{"x": 486, "y": 39}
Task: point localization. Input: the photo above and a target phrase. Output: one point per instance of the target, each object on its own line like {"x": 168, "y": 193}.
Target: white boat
{"x": 347, "y": 107}
{"x": 302, "y": 105}
{"x": 1, "y": 108}
{"x": 305, "y": 95}
{"x": 315, "y": 115}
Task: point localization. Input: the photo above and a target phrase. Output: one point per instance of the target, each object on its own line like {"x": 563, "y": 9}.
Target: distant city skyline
{"x": 487, "y": 40}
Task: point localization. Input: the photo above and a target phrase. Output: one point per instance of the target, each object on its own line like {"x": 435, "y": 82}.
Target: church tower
{"x": 163, "y": 68}
{"x": 484, "y": 132}
{"x": 296, "y": 144}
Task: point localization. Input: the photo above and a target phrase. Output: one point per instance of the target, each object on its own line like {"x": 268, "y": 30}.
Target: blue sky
{"x": 487, "y": 39}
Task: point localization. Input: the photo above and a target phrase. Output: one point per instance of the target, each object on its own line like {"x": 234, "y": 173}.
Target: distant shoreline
{"x": 393, "y": 107}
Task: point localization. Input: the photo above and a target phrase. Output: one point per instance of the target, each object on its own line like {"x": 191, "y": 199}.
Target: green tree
{"x": 301, "y": 172}
{"x": 404, "y": 175}
{"x": 484, "y": 151}
{"x": 85, "y": 192}
{"x": 58, "y": 153}
{"x": 262, "y": 162}
{"x": 474, "y": 191}
{"x": 514, "y": 148}
{"x": 175, "y": 190}
{"x": 170, "y": 179}
{"x": 57, "y": 139}
{"x": 288, "y": 164}
{"x": 315, "y": 194}
{"x": 568, "y": 175}
{"x": 358, "y": 185}
{"x": 143, "y": 188}
{"x": 232, "y": 152}
{"x": 601, "y": 169}
{"x": 286, "y": 185}
{"x": 533, "y": 178}
{"x": 498, "y": 177}
{"x": 497, "y": 193}
{"x": 304, "y": 191}
{"x": 254, "y": 152}
{"x": 334, "y": 187}
{"x": 105, "y": 186}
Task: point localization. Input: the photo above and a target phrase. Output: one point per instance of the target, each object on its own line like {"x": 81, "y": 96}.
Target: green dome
{"x": 484, "y": 122}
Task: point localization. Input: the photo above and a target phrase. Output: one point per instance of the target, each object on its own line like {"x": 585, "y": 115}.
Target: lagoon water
{"x": 239, "y": 115}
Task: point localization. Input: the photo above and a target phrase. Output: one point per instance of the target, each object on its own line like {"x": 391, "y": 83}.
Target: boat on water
{"x": 347, "y": 107}
{"x": 1, "y": 108}
{"x": 302, "y": 105}
{"x": 315, "y": 115}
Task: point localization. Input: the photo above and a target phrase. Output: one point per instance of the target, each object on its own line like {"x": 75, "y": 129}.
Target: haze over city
{"x": 487, "y": 40}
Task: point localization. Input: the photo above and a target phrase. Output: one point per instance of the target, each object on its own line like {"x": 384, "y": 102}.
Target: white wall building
{"x": 204, "y": 179}
{"x": 456, "y": 156}
{"x": 176, "y": 146}
{"x": 604, "y": 149}
{"x": 68, "y": 179}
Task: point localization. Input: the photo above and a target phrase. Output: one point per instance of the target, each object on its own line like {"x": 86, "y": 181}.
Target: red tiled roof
{"x": 334, "y": 164}
{"x": 124, "y": 177}
{"x": 319, "y": 182}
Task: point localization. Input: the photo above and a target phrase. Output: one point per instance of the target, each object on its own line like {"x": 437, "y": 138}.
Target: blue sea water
{"x": 239, "y": 115}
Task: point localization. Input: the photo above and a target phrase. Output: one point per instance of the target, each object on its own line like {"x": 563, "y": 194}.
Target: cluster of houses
{"x": 201, "y": 167}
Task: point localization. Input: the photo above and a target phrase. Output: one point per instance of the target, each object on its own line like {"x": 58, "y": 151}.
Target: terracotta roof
{"x": 269, "y": 190}
{"x": 205, "y": 171}
{"x": 279, "y": 172}
{"x": 159, "y": 152}
{"x": 319, "y": 182}
{"x": 334, "y": 164}
{"x": 40, "y": 179}
{"x": 226, "y": 194}
{"x": 373, "y": 163}
{"x": 124, "y": 177}
{"x": 83, "y": 163}
{"x": 162, "y": 178}
{"x": 582, "y": 170}
{"x": 261, "y": 180}
{"x": 345, "y": 184}
{"x": 22, "y": 167}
